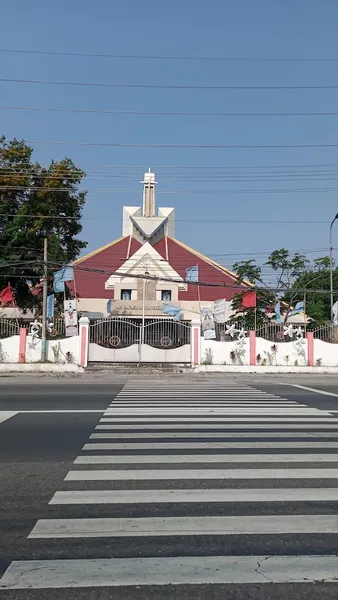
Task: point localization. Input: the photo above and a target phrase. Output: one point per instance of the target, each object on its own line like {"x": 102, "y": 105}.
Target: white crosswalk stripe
{"x": 207, "y": 445}
{"x": 6, "y": 414}
{"x": 188, "y": 484}
{"x": 210, "y": 495}
{"x": 202, "y": 474}
{"x": 65, "y": 528}
{"x": 180, "y": 458}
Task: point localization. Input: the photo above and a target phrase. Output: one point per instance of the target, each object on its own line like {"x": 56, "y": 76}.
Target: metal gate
{"x": 124, "y": 340}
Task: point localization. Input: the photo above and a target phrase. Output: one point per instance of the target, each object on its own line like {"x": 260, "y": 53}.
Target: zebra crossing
{"x": 193, "y": 483}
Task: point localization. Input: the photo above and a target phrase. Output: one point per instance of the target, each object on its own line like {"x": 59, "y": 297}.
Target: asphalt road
{"x": 321, "y": 385}
{"x": 38, "y": 446}
{"x": 36, "y": 451}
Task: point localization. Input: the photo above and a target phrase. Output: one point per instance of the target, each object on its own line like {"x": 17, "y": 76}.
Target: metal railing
{"x": 57, "y": 330}
{"x": 326, "y": 333}
{"x": 273, "y": 332}
{"x": 8, "y": 328}
{"x": 120, "y": 332}
{"x": 228, "y": 332}
{"x": 115, "y": 333}
{"x": 167, "y": 333}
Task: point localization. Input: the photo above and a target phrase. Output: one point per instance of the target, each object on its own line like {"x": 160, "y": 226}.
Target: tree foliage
{"x": 293, "y": 277}
{"x": 318, "y": 304}
{"x": 258, "y": 316}
{"x": 248, "y": 270}
{"x": 35, "y": 202}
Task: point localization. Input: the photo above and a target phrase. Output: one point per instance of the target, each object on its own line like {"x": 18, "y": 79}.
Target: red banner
{"x": 6, "y": 295}
{"x": 249, "y": 300}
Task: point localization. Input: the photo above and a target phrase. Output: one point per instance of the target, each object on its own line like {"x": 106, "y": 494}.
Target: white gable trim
{"x": 153, "y": 262}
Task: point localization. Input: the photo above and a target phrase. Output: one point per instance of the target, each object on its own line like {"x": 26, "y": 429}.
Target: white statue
{"x": 289, "y": 331}
{"x": 242, "y": 334}
{"x": 231, "y": 330}
{"x": 35, "y": 328}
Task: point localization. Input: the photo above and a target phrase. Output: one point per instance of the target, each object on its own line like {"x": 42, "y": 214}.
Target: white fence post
{"x": 84, "y": 340}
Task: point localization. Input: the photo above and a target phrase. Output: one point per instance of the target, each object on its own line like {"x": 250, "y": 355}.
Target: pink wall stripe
{"x": 310, "y": 349}
{"x": 252, "y": 335}
{"x": 22, "y": 345}
{"x": 196, "y": 345}
{"x": 83, "y": 346}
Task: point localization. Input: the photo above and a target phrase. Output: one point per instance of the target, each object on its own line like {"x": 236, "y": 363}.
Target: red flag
{"x": 249, "y": 300}
{"x": 6, "y": 295}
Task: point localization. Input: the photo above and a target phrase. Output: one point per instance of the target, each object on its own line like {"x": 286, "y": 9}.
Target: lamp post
{"x": 331, "y": 269}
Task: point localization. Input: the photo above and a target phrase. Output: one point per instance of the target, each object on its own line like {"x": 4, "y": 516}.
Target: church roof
{"x": 210, "y": 261}
{"x": 168, "y": 256}
{"x": 146, "y": 258}
{"x": 94, "y": 269}
{"x": 97, "y": 251}
{"x": 181, "y": 257}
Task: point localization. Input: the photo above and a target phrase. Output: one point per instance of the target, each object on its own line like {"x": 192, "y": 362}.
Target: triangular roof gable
{"x": 92, "y": 270}
{"x": 147, "y": 250}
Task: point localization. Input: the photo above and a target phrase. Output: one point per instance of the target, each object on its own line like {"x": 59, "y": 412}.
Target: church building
{"x": 147, "y": 267}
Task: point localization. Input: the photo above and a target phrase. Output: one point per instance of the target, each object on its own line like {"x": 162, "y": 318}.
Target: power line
{"x": 237, "y": 285}
{"x": 193, "y": 167}
{"x": 175, "y": 192}
{"x": 281, "y": 176}
{"x": 202, "y": 146}
{"x": 68, "y": 180}
{"x": 171, "y": 86}
{"x": 170, "y": 113}
{"x": 209, "y": 254}
{"x": 107, "y": 218}
{"x": 172, "y": 57}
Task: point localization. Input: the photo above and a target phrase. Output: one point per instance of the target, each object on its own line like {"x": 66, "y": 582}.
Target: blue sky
{"x": 226, "y": 177}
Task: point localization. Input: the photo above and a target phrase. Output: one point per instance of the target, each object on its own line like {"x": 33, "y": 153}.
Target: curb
{"x": 262, "y": 370}
{"x": 39, "y": 368}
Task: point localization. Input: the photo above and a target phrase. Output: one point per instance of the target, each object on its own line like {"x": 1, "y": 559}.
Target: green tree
{"x": 288, "y": 269}
{"x": 36, "y": 202}
{"x": 290, "y": 272}
{"x": 248, "y": 270}
{"x": 318, "y": 278}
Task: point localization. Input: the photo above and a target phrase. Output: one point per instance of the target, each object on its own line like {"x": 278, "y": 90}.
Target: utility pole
{"x": 331, "y": 271}
{"x": 44, "y": 302}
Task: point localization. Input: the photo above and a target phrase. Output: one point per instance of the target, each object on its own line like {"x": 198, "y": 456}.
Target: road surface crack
{"x": 259, "y": 572}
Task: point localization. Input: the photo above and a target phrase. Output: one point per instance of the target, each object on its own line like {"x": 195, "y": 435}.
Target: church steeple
{"x": 146, "y": 223}
{"x": 149, "y": 204}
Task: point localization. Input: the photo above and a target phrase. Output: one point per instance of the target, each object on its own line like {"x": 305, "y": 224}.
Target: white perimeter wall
{"x": 71, "y": 344}
{"x": 221, "y": 352}
{"x": 326, "y": 354}
{"x": 9, "y": 349}
{"x": 287, "y": 353}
